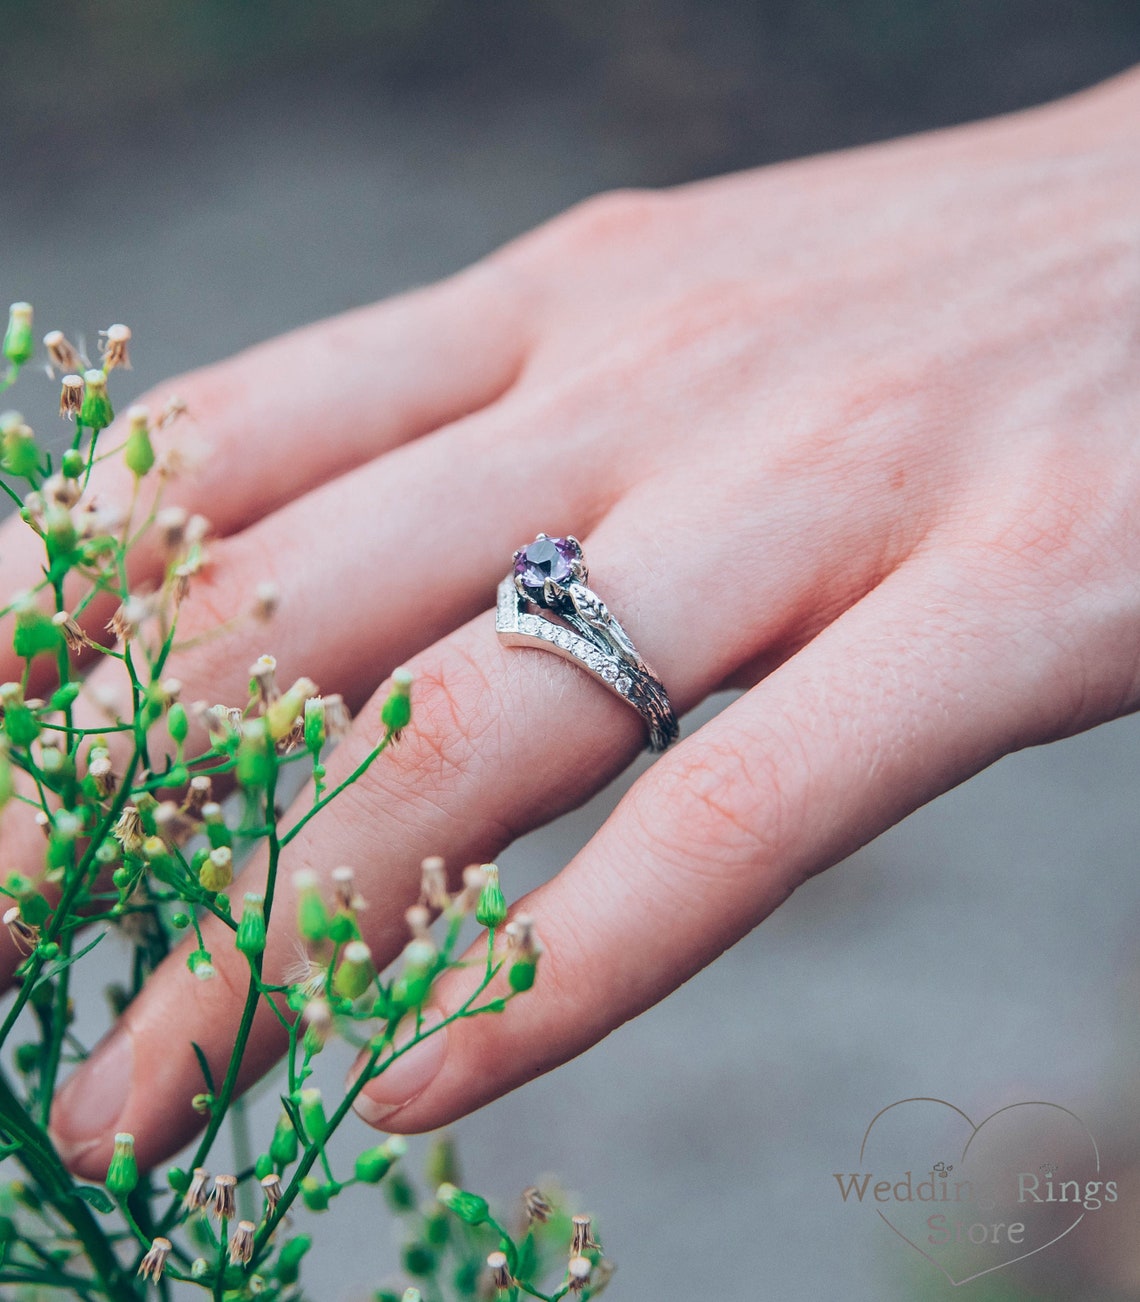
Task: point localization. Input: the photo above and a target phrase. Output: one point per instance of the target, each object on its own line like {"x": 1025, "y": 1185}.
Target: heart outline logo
{"x": 975, "y": 1130}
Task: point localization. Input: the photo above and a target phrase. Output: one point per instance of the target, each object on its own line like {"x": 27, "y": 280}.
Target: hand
{"x": 860, "y": 434}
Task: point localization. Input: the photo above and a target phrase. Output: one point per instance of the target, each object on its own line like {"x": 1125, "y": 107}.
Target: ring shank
{"x": 628, "y": 678}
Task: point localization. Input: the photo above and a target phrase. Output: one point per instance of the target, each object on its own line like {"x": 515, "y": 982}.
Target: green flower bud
{"x": 289, "y": 1258}
{"x": 19, "y": 345}
{"x": 411, "y": 987}
{"x": 342, "y": 928}
{"x": 437, "y": 1227}
{"x": 253, "y": 756}
{"x": 64, "y": 696}
{"x": 139, "y": 452}
{"x": 73, "y": 463}
{"x": 442, "y": 1166}
{"x": 21, "y": 455}
{"x": 35, "y": 634}
{"x": 217, "y": 872}
{"x": 520, "y": 976}
{"x": 180, "y": 921}
{"x": 251, "y": 930}
{"x": 96, "y": 412}
{"x": 217, "y": 833}
{"x": 177, "y": 1179}
{"x": 396, "y": 713}
{"x": 177, "y": 724}
{"x": 27, "y": 1057}
{"x": 469, "y": 1207}
{"x": 312, "y": 916}
{"x": 491, "y": 911}
{"x": 313, "y": 1116}
{"x": 418, "y": 1258}
{"x": 315, "y": 1194}
{"x": 400, "y": 1192}
{"x": 354, "y": 974}
{"x": 20, "y": 724}
{"x": 283, "y": 713}
{"x": 59, "y": 532}
{"x": 372, "y": 1165}
{"x": 201, "y": 964}
{"x": 283, "y": 1147}
{"x": 315, "y": 732}
{"x": 123, "y": 1173}
{"x": 263, "y": 1166}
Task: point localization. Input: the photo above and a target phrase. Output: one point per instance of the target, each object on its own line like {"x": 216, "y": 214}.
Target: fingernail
{"x": 87, "y": 1108}
{"x": 408, "y": 1076}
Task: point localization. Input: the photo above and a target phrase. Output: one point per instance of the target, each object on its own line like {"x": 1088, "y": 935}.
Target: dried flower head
{"x": 344, "y": 886}
{"x": 474, "y": 879}
{"x": 154, "y": 1261}
{"x": 59, "y": 490}
{"x": 271, "y": 1187}
{"x": 198, "y": 795}
{"x": 171, "y": 524}
{"x": 318, "y": 1019}
{"x": 73, "y": 635}
{"x": 223, "y": 1203}
{"x": 307, "y": 977}
{"x": 433, "y": 883}
{"x": 128, "y": 830}
{"x": 418, "y": 918}
{"x": 241, "y": 1243}
{"x": 263, "y": 680}
{"x": 101, "y": 771}
{"x": 536, "y": 1206}
{"x": 24, "y": 935}
{"x": 265, "y": 602}
{"x": 62, "y": 353}
{"x": 521, "y": 936}
{"x": 337, "y": 718}
{"x": 130, "y": 617}
{"x": 578, "y": 1273}
{"x": 583, "y": 1237}
{"x": 500, "y": 1274}
{"x": 197, "y": 1195}
{"x": 71, "y": 396}
{"x": 115, "y": 340}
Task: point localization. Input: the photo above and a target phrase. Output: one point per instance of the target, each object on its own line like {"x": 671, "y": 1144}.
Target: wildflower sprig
{"x": 147, "y": 810}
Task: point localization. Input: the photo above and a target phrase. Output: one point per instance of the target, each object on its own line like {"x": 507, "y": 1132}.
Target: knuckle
{"x": 454, "y": 713}
{"x": 715, "y": 810}
{"x": 614, "y": 217}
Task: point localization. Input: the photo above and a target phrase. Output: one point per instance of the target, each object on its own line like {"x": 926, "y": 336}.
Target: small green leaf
{"x": 207, "y": 1075}
{"x": 97, "y": 1198}
{"x": 51, "y": 970}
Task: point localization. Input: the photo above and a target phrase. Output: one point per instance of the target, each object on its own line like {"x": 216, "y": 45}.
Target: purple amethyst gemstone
{"x": 545, "y": 558}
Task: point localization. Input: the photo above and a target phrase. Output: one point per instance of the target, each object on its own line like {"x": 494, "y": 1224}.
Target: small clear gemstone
{"x": 623, "y": 685}
{"x": 609, "y": 673}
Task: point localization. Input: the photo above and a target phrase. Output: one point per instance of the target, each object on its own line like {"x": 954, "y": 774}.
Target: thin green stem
{"x": 358, "y": 772}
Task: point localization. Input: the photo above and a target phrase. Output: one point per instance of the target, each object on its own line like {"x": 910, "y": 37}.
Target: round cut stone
{"x": 545, "y": 558}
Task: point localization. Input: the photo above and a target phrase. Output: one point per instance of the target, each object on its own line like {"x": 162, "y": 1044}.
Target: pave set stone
{"x": 608, "y": 669}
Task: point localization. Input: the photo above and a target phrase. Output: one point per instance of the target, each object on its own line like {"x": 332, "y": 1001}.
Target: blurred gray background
{"x": 218, "y": 172}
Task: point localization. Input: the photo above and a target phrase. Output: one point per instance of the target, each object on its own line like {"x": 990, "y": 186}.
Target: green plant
{"x": 146, "y": 817}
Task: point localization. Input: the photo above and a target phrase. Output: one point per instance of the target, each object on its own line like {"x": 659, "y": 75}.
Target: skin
{"x": 857, "y": 433}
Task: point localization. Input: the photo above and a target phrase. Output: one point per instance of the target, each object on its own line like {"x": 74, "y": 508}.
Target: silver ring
{"x": 549, "y": 575}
